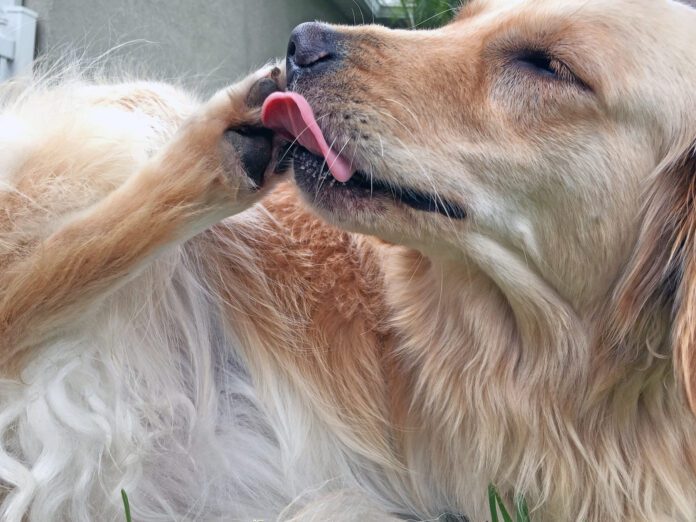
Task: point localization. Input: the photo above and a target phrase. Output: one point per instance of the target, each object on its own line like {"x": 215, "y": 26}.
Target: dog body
{"x": 525, "y": 319}
{"x": 142, "y": 382}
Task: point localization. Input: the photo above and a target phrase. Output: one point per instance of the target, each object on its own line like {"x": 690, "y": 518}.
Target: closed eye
{"x": 543, "y": 64}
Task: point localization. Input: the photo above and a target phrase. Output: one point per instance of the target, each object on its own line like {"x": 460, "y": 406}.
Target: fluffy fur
{"x": 223, "y": 359}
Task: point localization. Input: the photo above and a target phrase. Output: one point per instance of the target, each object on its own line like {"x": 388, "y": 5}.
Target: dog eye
{"x": 543, "y": 64}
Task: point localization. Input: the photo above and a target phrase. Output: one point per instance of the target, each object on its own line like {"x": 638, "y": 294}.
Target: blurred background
{"x": 204, "y": 43}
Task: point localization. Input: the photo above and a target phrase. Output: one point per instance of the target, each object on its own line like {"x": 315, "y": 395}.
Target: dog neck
{"x": 497, "y": 368}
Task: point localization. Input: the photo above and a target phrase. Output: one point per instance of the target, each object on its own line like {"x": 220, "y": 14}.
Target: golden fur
{"x": 546, "y": 343}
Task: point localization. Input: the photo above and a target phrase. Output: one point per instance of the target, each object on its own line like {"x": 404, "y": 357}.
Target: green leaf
{"x": 496, "y": 504}
{"x": 492, "y": 504}
{"x": 126, "y": 505}
{"x": 522, "y": 510}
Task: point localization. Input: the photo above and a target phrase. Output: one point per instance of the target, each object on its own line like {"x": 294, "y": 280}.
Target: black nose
{"x": 312, "y": 48}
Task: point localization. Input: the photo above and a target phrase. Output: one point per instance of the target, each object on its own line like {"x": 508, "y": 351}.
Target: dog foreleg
{"x": 206, "y": 172}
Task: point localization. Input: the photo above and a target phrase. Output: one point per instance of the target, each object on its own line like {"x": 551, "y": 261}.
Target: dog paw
{"x": 245, "y": 143}
{"x": 222, "y": 153}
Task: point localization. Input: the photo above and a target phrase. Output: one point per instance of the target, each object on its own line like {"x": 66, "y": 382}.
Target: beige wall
{"x": 203, "y": 42}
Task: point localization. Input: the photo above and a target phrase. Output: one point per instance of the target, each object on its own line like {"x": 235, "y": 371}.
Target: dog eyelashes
{"x": 543, "y": 64}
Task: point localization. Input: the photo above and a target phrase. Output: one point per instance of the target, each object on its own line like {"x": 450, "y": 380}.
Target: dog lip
{"x": 373, "y": 188}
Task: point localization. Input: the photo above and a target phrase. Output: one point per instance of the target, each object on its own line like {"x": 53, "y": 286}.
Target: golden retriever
{"x": 509, "y": 296}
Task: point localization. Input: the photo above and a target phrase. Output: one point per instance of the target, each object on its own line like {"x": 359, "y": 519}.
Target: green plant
{"x": 429, "y": 13}
{"x": 497, "y": 505}
{"x": 126, "y": 505}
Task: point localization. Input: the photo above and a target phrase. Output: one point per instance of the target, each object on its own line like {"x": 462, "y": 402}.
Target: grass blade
{"x": 497, "y": 505}
{"x": 492, "y": 503}
{"x": 126, "y": 505}
{"x": 522, "y": 510}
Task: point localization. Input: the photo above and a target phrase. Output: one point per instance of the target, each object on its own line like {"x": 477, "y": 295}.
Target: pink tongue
{"x": 289, "y": 114}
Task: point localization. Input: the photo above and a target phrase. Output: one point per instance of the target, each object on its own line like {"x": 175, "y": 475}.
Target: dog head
{"x": 547, "y": 140}
{"x": 536, "y": 125}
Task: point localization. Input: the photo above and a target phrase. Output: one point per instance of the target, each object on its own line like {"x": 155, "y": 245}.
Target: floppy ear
{"x": 684, "y": 311}
{"x": 660, "y": 280}
{"x": 684, "y": 320}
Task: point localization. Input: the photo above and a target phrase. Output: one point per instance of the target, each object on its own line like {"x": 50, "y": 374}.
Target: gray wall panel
{"x": 204, "y": 42}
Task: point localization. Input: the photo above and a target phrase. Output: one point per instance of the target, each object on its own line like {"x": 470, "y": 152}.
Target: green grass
{"x": 126, "y": 505}
{"x": 426, "y": 14}
{"x": 498, "y": 509}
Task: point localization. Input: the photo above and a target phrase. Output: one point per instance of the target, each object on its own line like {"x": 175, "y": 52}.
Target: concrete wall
{"x": 206, "y": 43}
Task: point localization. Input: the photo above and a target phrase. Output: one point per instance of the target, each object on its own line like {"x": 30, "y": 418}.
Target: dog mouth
{"x": 320, "y": 170}
{"x": 313, "y": 176}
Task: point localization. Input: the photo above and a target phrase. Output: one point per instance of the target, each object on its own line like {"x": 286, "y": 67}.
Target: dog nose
{"x": 312, "y": 48}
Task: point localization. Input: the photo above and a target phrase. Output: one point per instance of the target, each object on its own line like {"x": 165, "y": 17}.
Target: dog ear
{"x": 660, "y": 280}
{"x": 684, "y": 254}
{"x": 684, "y": 310}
